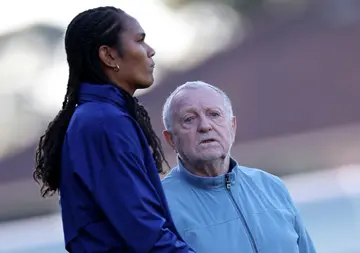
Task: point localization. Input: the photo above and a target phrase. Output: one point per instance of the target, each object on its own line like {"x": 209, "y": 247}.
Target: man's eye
{"x": 215, "y": 114}
{"x": 188, "y": 119}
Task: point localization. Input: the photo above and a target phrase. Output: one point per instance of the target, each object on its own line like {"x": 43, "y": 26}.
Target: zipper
{"x": 247, "y": 229}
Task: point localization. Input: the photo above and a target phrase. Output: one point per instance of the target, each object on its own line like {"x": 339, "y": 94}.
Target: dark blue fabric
{"x": 111, "y": 196}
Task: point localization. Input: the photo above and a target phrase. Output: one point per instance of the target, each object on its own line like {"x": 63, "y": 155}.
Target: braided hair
{"x": 84, "y": 35}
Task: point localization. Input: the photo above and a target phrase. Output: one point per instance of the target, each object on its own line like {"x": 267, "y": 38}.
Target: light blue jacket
{"x": 244, "y": 211}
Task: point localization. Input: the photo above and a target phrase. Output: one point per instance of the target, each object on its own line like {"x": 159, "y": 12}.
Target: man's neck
{"x": 208, "y": 169}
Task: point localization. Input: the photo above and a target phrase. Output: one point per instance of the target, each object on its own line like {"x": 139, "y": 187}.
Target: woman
{"x": 96, "y": 153}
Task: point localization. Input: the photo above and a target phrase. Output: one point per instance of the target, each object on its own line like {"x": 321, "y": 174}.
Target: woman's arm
{"x": 123, "y": 190}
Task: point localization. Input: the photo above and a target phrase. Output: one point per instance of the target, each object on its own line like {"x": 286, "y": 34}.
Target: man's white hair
{"x": 167, "y": 112}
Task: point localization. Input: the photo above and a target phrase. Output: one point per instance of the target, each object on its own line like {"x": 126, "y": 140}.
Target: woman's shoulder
{"x": 98, "y": 111}
{"x": 101, "y": 119}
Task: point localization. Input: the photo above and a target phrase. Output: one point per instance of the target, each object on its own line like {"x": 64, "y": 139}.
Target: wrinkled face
{"x": 202, "y": 130}
{"x": 136, "y": 65}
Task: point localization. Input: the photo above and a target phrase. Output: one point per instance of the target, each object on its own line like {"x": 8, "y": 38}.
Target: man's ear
{"x": 233, "y": 127}
{"x": 168, "y": 137}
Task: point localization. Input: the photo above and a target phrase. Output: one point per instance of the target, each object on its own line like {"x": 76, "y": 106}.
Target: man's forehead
{"x": 194, "y": 97}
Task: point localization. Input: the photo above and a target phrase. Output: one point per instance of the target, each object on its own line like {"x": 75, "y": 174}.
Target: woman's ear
{"x": 107, "y": 56}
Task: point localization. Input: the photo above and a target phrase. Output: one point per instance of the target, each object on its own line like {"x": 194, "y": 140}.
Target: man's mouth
{"x": 207, "y": 141}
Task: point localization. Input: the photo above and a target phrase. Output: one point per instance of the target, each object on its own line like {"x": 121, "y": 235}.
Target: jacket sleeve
{"x": 124, "y": 192}
{"x": 305, "y": 243}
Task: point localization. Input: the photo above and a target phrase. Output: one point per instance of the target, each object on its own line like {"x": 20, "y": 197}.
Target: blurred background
{"x": 290, "y": 67}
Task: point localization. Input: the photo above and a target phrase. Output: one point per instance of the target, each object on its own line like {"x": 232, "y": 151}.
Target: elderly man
{"x": 218, "y": 205}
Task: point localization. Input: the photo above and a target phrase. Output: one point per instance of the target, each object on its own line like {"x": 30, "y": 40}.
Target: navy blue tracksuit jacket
{"x": 111, "y": 195}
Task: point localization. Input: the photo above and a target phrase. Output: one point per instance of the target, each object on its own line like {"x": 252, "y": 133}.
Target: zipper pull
{"x": 227, "y": 181}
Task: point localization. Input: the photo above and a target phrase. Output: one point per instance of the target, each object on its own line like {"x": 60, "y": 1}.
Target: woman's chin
{"x": 146, "y": 83}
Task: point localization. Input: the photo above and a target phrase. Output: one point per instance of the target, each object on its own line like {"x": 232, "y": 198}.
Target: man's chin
{"x": 211, "y": 157}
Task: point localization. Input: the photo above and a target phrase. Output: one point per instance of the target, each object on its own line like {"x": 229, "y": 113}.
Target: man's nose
{"x": 204, "y": 125}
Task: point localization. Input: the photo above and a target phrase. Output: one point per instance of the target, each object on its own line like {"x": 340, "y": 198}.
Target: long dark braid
{"x": 144, "y": 121}
{"x": 138, "y": 111}
{"x": 84, "y": 35}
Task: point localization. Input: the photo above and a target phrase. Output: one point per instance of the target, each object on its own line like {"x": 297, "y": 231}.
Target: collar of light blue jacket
{"x": 210, "y": 182}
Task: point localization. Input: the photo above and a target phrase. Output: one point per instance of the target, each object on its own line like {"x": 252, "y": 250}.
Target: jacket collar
{"x": 209, "y": 182}
{"x": 104, "y": 93}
